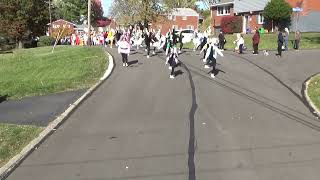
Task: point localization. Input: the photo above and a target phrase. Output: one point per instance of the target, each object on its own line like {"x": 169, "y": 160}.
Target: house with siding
{"x": 179, "y": 18}
{"x": 251, "y": 13}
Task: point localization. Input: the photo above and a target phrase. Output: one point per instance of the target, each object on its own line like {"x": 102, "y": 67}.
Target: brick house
{"x": 249, "y": 10}
{"x": 251, "y": 13}
{"x": 180, "y": 18}
{"x": 220, "y": 9}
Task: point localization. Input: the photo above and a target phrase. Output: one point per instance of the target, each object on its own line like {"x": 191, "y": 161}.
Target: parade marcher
{"x": 204, "y": 50}
{"x": 111, "y": 37}
{"x": 222, "y": 40}
{"x": 172, "y": 59}
{"x": 181, "y": 41}
{"x": 280, "y": 44}
{"x": 168, "y": 42}
{"x": 117, "y": 35}
{"x": 147, "y": 39}
{"x": 255, "y": 42}
{"x": 203, "y": 41}
{"x": 297, "y": 38}
{"x": 124, "y": 50}
{"x": 211, "y": 56}
{"x": 286, "y": 38}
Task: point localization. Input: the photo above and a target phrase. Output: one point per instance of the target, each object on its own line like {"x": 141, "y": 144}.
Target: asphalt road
{"x": 250, "y": 123}
{"x": 38, "y": 110}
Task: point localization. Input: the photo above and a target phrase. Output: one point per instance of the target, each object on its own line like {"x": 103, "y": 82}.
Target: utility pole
{"x": 89, "y": 23}
{"x": 50, "y": 18}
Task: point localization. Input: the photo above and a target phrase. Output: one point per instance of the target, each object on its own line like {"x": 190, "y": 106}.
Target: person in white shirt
{"x": 124, "y": 50}
{"x": 239, "y": 43}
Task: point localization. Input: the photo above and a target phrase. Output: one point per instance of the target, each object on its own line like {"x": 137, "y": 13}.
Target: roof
{"x": 241, "y": 6}
{"x": 221, "y": 2}
{"x": 59, "y": 20}
{"x": 184, "y": 12}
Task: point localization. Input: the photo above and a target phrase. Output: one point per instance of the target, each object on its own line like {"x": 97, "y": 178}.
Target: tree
{"x": 279, "y": 12}
{"x": 134, "y": 11}
{"x": 19, "y": 19}
{"x": 76, "y": 10}
{"x": 181, "y": 3}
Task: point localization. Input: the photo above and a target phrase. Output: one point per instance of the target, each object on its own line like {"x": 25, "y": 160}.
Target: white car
{"x": 187, "y": 35}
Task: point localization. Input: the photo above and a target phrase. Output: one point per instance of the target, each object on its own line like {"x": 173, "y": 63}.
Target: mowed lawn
{"x": 13, "y": 138}
{"x": 32, "y": 72}
{"x": 269, "y": 41}
{"x": 314, "y": 90}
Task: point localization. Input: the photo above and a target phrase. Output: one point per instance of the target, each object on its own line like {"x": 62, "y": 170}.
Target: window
{"x": 184, "y": 18}
{"x": 189, "y": 27}
{"x": 175, "y": 27}
{"x": 174, "y": 18}
{"x": 223, "y": 10}
{"x": 260, "y": 19}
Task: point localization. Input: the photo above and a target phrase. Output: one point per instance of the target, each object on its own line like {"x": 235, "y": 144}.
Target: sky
{"x": 107, "y": 3}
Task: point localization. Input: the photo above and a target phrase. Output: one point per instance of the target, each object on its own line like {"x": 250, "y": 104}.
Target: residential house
{"x": 220, "y": 9}
{"x": 179, "y": 18}
{"x": 251, "y": 13}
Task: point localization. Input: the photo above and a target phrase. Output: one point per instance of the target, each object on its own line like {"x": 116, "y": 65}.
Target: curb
{"x": 316, "y": 110}
{"x": 8, "y": 168}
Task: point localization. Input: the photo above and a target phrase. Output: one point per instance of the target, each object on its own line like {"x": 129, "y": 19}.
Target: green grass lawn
{"x": 314, "y": 90}
{"x": 31, "y": 72}
{"x": 269, "y": 41}
{"x": 13, "y": 138}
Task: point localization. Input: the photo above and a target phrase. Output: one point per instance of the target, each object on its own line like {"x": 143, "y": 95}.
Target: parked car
{"x": 187, "y": 35}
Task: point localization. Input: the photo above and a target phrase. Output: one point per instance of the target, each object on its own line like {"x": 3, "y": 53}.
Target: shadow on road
{"x": 132, "y": 62}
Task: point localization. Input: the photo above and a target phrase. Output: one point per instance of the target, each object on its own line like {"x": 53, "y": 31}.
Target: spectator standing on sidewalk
{"x": 280, "y": 44}
{"x": 297, "y": 39}
{"x": 255, "y": 42}
{"x": 286, "y": 39}
{"x": 221, "y": 40}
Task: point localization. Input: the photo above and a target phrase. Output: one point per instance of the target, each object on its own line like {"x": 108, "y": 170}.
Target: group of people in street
{"x": 171, "y": 43}
{"x": 153, "y": 40}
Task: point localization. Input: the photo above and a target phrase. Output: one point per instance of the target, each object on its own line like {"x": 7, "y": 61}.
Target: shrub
{"x": 46, "y": 41}
{"x": 231, "y": 24}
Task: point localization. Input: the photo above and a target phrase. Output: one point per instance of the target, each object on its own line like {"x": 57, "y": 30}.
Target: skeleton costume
{"x": 211, "y": 56}
{"x": 173, "y": 61}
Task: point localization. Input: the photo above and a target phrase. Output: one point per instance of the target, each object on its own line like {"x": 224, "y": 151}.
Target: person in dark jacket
{"x": 174, "y": 37}
{"x": 255, "y": 42}
{"x": 221, "y": 40}
{"x": 181, "y": 43}
{"x": 147, "y": 39}
{"x": 280, "y": 44}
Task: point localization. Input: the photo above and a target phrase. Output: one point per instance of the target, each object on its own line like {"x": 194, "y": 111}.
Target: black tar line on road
{"x": 291, "y": 116}
{"x": 260, "y": 102}
{"x": 303, "y": 100}
{"x": 192, "y": 112}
